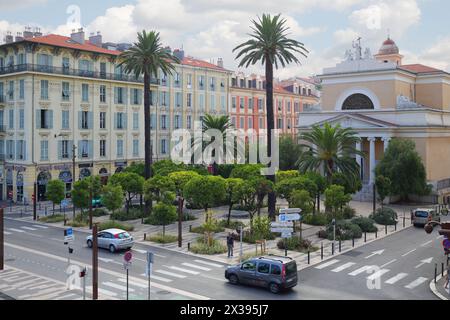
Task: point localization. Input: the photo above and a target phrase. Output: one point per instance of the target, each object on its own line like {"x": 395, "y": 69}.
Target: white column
{"x": 386, "y": 141}
{"x": 358, "y": 157}
{"x": 372, "y": 160}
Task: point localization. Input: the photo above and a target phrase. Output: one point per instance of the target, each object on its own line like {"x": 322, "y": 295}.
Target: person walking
{"x": 230, "y": 244}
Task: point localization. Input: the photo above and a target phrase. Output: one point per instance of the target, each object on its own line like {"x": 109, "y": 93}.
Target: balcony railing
{"x": 2, "y": 128}
{"x": 2, "y": 98}
{"x": 73, "y": 72}
{"x": 2, "y": 157}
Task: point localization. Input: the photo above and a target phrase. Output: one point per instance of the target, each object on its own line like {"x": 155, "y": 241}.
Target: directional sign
{"x": 65, "y": 203}
{"x": 282, "y": 230}
{"x": 286, "y": 224}
{"x": 286, "y": 235}
{"x": 290, "y": 210}
{"x": 289, "y": 217}
{"x": 68, "y": 235}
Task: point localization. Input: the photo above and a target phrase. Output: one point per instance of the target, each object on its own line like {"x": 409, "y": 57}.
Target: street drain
{"x": 10, "y": 260}
{"x": 353, "y": 253}
{"x": 163, "y": 292}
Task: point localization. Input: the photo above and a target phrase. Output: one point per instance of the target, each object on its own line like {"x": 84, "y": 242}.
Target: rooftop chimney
{"x": 179, "y": 53}
{"x": 37, "y": 32}
{"x": 220, "y": 63}
{"x": 96, "y": 40}
{"x": 9, "y": 37}
{"x": 78, "y": 36}
{"x": 19, "y": 37}
{"x": 27, "y": 33}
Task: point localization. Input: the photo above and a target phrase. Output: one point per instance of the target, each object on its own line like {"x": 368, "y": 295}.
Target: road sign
{"x": 286, "y": 224}
{"x": 68, "y": 235}
{"x": 286, "y": 235}
{"x": 282, "y": 230}
{"x": 290, "y": 210}
{"x": 289, "y": 217}
{"x": 65, "y": 203}
{"x": 127, "y": 256}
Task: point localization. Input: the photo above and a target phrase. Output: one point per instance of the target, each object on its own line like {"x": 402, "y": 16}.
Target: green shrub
{"x": 122, "y": 215}
{"x": 159, "y": 238}
{"x": 233, "y": 224}
{"x": 366, "y": 224}
{"x": 384, "y": 216}
{"x": 200, "y": 247}
{"x": 115, "y": 225}
{"x": 189, "y": 217}
{"x": 201, "y": 229}
{"x": 318, "y": 219}
{"x": 296, "y": 243}
{"x": 345, "y": 230}
{"x": 252, "y": 238}
{"x": 348, "y": 212}
{"x": 261, "y": 228}
{"x": 77, "y": 224}
{"x": 52, "y": 219}
{"x": 99, "y": 212}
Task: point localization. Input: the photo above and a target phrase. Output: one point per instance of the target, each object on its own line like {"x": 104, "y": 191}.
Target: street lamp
{"x": 73, "y": 171}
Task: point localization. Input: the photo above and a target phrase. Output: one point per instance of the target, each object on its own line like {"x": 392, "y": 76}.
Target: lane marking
{"x": 7, "y": 233}
{"x": 404, "y": 255}
{"x": 343, "y": 267}
{"x": 117, "y": 286}
{"x": 388, "y": 263}
{"x": 153, "y": 277}
{"x": 16, "y": 230}
{"x": 39, "y": 226}
{"x": 213, "y": 278}
{"x": 195, "y": 266}
{"x": 327, "y": 264}
{"x": 28, "y": 228}
{"x": 424, "y": 244}
{"x": 424, "y": 261}
{"x": 139, "y": 250}
{"x": 416, "y": 283}
{"x": 378, "y": 274}
{"x": 65, "y": 296}
{"x": 209, "y": 263}
{"x": 375, "y": 253}
{"x": 396, "y": 278}
{"x": 360, "y": 270}
{"x": 184, "y": 270}
{"x": 176, "y": 275}
{"x": 139, "y": 285}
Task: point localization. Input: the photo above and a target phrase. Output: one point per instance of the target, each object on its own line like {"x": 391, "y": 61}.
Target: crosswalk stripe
{"x": 416, "y": 283}
{"x": 171, "y": 274}
{"x": 327, "y": 264}
{"x": 195, "y": 266}
{"x": 184, "y": 270}
{"x": 105, "y": 292}
{"x": 360, "y": 270}
{"x": 51, "y": 295}
{"x": 65, "y": 296}
{"x": 117, "y": 286}
{"x": 140, "y": 251}
{"x": 6, "y": 273}
{"x": 7, "y": 233}
{"x": 396, "y": 278}
{"x": 153, "y": 277}
{"x": 343, "y": 267}
{"x": 378, "y": 274}
{"x": 38, "y": 226}
{"x": 15, "y": 230}
{"x": 209, "y": 263}
{"x": 28, "y": 228}
{"x": 131, "y": 283}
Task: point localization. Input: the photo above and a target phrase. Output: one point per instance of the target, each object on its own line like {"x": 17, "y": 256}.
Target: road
{"x": 37, "y": 262}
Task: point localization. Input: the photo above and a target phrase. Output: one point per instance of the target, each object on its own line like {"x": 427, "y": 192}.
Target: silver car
{"x": 112, "y": 239}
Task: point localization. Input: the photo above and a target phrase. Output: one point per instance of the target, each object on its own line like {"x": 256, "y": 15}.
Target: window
{"x": 263, "y": 267}
{"x": 241, "y": 122}
{"x": 280, "y": 124}
{"x": 2, "y": 119}
{"x": 21, "y": 119}
{"x": 176, "y": 122}
{"x": 223, "y": 103}
{"x": 189, "y": 80}
{"x": 102, "y": 148}
{"x": 64, "y": 149}
{"x": 66, "y": 65}
{"x": 213, "y": 102}
{"x": 119, "y": 148}
{"x": 250, "y": 104}
{"x": 136, "y": 96}
{"x": 21, "y": 59}
{"x": 163, "y": 123}
{"x": 20, "y": 150}
{"x": 249, "y": 266}
{"x": 102, "y": 120}
{"x": 120, "y": 95}
{"x": 201, "y": 82}
{"x": 135, "y": 121}
{"x": 84, "y": 148}
{"x": 45, "y": 62}
{"x": 22, "y": 89}
{"x": 44, "y": 119}
{"x": 250, "y": 123}
{"x": 261, "y": 123}
{"x": 11, "y": 90}
{"x": 65, "y": 114}
{"x": 85, "y": 67}
{"x": 44, "y": 89}
{"x": 178, "y": 99}
{"x": 260, "y": 104}
{"x": 176, "y": 79}
{"x": 11, "y": 119}
{"x": 289, "y": 106}
{"x": 44, "y": 150}
{"x": 135, "y": 148}
{"x": 189, "y": 122}
{"x": 103, "y": 70}
{"x": 10, "y": 149}
{"x": 163, "y": 79}
{"x": 163, "y": 146}
{"x": 152, "y": 121}
{"x": 120, "y": 120}
{"x": 85, "y": 120}
{"x": 201, "y": 98}
{"x": 296, "y": 107}
{"x": 85, "y": 92}
{"x": 275, "y": 269}
{"x": 189, "y": 100}
{"x": 233, "y": 121}
{"x": 103, "y": 94}
{"x": 65, "y": 91}
{"x": 212, "y": 83}
{"x": 164, "y": 98}
{"x": 233, "y": 102}
{"x": 241, "y": 104}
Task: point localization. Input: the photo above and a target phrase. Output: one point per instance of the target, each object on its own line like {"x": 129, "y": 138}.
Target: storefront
{"x": 9, "y": 184}
{"x": 19, "y": 184}
{"x": 104, "y": 175}
{"x": 66, "y": 177}
{"x": 120, "y": 166}
{"x": 42, "y": 180}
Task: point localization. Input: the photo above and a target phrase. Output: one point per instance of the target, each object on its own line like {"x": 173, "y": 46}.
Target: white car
{"x": 112, "y": 239}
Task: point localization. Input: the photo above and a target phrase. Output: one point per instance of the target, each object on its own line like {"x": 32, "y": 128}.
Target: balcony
{"x": 74, "y": 72}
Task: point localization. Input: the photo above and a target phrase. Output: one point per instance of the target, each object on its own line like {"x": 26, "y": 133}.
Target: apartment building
{"x": 59, "y": 94}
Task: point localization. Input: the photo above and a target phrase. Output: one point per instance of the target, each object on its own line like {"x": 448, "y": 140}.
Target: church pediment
{"x": 357, "y": 121}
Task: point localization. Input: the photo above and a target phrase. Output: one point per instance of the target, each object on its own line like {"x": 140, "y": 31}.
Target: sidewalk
{"x": 438, "y": 287}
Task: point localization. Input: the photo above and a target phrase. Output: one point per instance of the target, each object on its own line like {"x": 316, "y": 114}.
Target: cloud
{"x": 13, "y": 5}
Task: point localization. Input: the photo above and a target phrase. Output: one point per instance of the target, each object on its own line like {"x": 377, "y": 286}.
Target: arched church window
{"x": 357, "y": 101}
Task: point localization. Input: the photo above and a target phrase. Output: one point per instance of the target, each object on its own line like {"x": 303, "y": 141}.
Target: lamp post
{"x": 73, "y": 175}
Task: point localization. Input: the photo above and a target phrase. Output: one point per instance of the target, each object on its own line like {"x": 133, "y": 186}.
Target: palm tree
{"x": 270, "y": 45}
{"x": 334, "y": 150}
{"x": 146, "y": 57}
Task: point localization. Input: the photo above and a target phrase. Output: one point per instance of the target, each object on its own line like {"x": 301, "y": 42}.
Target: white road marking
{"x": 176, "y": 275}
{"x": 404, "y": 255}
{"x": 416, "y": 283}
{"x": 375, "y": 253}
{"x": 16, "y": 230}
{"x": 424, "y": 261}
{"x": 153, "y": 277}
{"x": 209, "y": 263}
{"x": 343, "y": 267}
{"x": 388, "y": 263}
{"x": 360, "y": 270}
{"x": 39, "y": 226}
{"x": 28, "y": 228}
{"x": 327, "y": 264}
{"x": 117, "y": 286}
{"x": 378, "y": 274}
{"x": 397, "y": 278}
{"x": 195, "y": 266}
{"x": 184, "y": 270}
{"x": 65, "y": 296}
{"x": 7, "y": 233}
{"x": 438, "y": 237}
{"x": 424, "y": 244}
{"x": 213, "y": 278}
{"x": 140, "y": 251}
{"x": 103, "y": 291}
{"x": 131, "y": 283}
{"x": 51, "y": 295}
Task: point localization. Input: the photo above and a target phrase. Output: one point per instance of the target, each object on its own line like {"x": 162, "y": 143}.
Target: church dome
{"x": 389, "y": 47}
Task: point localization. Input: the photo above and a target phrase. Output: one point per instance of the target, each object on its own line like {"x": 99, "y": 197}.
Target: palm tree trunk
{"x": 272, "y": 199}
{"x": 147, "y": 137}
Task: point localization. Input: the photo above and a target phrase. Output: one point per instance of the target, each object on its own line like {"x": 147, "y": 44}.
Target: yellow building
{"x": 58, "y": 92}
{"x": 381, "y": 98}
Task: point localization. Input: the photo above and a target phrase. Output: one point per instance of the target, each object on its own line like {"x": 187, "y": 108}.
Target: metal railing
{"x": 74, "y": 72}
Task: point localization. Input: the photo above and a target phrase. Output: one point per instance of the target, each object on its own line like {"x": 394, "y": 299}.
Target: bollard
{"x": 190, "y": 228}
{"x": 321, "y": 251}
{"x": 403, "y": 221}
{"x": 145, "y": 236}
{"x": 65, "y": 221}
{"x": 285, "y": 251}
{"x": 442, "y": 269}
{"x": 309, "y": 257}
{"x": 395, "y": 226}
{"x": 340, "y": 245}
{"x": 385, "y": 229}
{"x": 332, "y": 249}
{"x": 376, "y": 234}
{"x": 365, "y": 236}
{"x": 435, "y": 272}
{"x": 353, "y": 242}
{"x": 189, "y": 246}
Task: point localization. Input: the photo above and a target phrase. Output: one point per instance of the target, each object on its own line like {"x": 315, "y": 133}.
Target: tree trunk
{"x": 318, "y": 203}
{"x": 206, "y": 214}
{"x": 128, "y": 204}
{"x": 272, "y": 199}
{"x": 147, "y": 137}
{"x": 229, "y": 214}
{"x": 164, "y": 231}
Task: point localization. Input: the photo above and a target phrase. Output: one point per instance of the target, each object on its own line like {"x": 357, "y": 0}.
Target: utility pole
{"x": 73, "y": 175}
{"x": 374, "y": 198}
{"x": 2, "y": 241}
{"x": 94, "y": 263}
{"x": 180, "y": 221}
{"x": 34, "y": 201}
{"x": 90, "y": 205}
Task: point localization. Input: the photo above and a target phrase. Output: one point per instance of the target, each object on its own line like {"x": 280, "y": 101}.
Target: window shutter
{"x": 90, "y": 120}
{"x": 24, "y": 148}
{"x": 79, "y": 149}
{"x": 125, "y": 95}
{"x": 70, "y": 146}
{"x": 38, "y": 119}
{"x": 80, "y": 122}
{"x": 115, "y": 120}
{"x": 50, "y": 61}
{"x": 125, "y": 121}
{"x": 59, "y": 149}
{"x": 17, "y": 150}
{"x": 50, "y": 119}
{"x": 91, "y": 149}
{"x": 116, "y": 95}
{"x": 140, "y": 96}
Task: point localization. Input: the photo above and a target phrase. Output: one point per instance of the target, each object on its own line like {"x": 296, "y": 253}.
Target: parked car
{"x": 273, "y": 272}
{"x": 421, "y": 217}
{"x": 112, "y": 239}
{"x": 97, "y": 202}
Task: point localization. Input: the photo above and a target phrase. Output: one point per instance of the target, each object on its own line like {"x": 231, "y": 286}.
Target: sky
{"x": 209, "y": 29}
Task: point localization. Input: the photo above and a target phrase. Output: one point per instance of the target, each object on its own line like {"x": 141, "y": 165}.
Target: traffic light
{"x": 83, "y": 273}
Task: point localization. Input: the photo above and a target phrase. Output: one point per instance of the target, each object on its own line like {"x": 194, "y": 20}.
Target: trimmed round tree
{"x": 112, "y": 196}
{"x": 164, "y": 214}
{"x": 56, "y": 192}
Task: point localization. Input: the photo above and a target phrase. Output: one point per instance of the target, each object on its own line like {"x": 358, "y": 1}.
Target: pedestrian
{"x": 447, "y": 280}
{"x": 230, "y": 244}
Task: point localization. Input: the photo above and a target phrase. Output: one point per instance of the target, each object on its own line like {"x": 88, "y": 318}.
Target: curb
{"x": 435, "y": 291}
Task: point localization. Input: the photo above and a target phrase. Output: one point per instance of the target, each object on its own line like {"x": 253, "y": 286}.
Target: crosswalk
{"x": 24, "y": 229}
{"x": 371, "y": 273}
